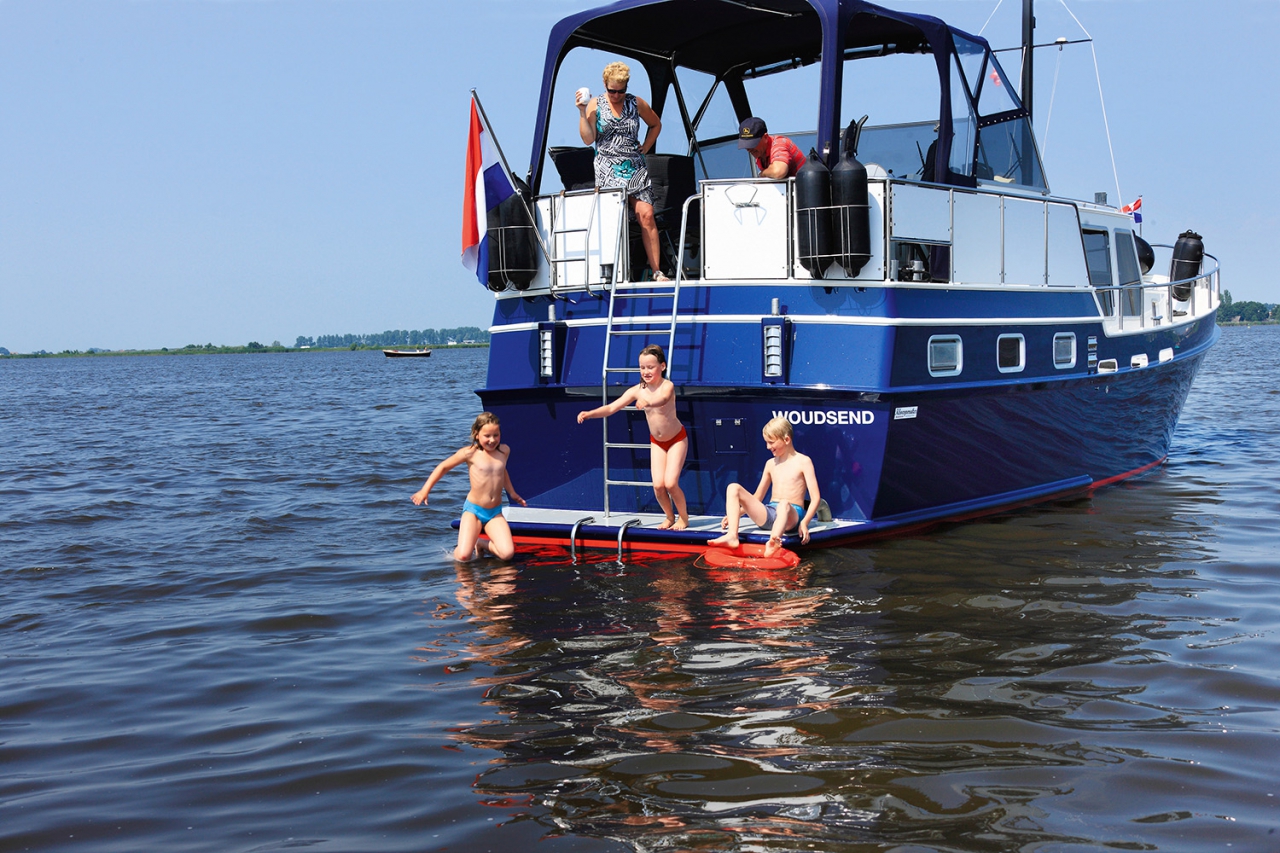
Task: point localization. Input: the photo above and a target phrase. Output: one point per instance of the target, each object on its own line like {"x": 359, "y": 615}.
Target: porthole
{"x": 946, "y": 355}
{"x": 1011, "y": 353}
{"x": 1064, "y": 350}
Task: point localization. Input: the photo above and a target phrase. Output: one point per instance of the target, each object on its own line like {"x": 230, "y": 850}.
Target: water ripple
{"x": 227, "y": 629}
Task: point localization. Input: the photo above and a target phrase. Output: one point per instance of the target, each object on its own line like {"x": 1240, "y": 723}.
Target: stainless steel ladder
{"x": 558, "y": 238}
{"x": 629, "y": 326}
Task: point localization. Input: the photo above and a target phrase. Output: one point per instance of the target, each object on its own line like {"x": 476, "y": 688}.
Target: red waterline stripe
{"x": 1097, "y": 484}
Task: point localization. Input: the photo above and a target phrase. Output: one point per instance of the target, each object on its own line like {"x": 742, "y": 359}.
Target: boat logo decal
{"x": 829, "y": 416}
{"x": 904, "y": 412}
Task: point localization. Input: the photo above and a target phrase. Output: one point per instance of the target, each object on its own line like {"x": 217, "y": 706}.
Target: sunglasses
{"x": 621, "y": 91}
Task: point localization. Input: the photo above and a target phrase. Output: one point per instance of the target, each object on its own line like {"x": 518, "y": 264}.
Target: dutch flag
{"x": 488, "y": 184}
{"x": 1134, "y": 210}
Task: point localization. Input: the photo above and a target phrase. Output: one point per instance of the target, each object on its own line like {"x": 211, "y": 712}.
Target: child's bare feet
{"x": 666, "y": 524}
{"x": 726, "y": 540}
{"x": 773, "y": 546}
{"x": 681, "y": 524}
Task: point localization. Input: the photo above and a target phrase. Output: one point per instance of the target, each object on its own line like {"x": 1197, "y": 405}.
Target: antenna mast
{"x": 1028, "y": 50}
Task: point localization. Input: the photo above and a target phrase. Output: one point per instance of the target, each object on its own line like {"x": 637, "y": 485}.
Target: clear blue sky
{"x": 193, "y": 171}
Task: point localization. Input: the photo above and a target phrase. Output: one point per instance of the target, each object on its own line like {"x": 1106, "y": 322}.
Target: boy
{"x": 791, "y": 474}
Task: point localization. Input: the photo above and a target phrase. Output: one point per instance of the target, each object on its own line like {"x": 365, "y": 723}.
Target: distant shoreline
{"x": 222, "y": 351}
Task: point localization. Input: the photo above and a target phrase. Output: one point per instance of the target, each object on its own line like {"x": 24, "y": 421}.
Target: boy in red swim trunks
{"x": 656, "y": 397}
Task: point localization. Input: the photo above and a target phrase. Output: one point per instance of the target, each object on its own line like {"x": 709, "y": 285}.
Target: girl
{"x": 486, "y": 460}
{"x": 656, "y": 397}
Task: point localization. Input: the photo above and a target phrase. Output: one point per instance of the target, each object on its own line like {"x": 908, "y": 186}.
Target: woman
{"x": 611, "y": 122}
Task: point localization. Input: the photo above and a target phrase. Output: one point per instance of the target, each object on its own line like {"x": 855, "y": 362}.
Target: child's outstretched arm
{"x": 811, "y": 484}
{"x": 616, "y": 406}
{"x": 420, "y": 497}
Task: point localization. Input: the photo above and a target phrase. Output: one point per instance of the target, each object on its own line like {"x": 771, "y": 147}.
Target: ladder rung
{"x": 666, "y": 331}
{"x": 570, "y": 230}
{"x": 633, "y": 446}
{"x": 667, "y": 294}
{"x": 637, "y": 483}
{"x": 645, "y": 285}
{"x": 622, "y": 370}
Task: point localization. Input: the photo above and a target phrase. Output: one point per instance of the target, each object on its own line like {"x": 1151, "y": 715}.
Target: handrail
{"x": 573, "y": 536}
{"x": 1211, "y": 279}
{"x": 679, "y": 271}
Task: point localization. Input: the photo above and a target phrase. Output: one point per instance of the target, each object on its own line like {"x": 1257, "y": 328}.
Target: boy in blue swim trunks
{"x": 790, "y": 473}
{"x": 486, "y": 459}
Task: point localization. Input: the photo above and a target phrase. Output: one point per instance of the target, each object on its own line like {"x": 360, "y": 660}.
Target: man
{"x": 776, "y": 156}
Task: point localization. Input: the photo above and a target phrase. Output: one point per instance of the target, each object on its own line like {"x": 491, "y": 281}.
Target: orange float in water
{"x": 750, "y": 555}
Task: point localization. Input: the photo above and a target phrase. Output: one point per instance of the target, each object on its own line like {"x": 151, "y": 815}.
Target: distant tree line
{"x": 1245, "y": 311}
{"x": 400, "y": 338}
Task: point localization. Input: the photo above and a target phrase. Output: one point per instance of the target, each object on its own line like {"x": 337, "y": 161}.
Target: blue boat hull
{"x": 966, "y": 448}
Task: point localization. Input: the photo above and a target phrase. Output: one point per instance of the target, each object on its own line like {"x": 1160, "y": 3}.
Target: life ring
{"x": 750, "y": 555}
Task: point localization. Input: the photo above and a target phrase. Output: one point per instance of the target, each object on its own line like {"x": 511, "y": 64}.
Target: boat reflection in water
{"x": 998, "y": 680}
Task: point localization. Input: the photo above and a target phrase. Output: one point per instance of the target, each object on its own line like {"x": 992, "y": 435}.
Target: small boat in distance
{"x": 406, "y": 353}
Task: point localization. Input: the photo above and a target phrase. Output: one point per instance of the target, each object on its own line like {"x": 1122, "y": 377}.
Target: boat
{"x": 948, "y": 337}
{"x": 406, "y": 353}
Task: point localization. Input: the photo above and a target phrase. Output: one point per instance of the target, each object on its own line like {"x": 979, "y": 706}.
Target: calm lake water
{"x": 225, "y": 628}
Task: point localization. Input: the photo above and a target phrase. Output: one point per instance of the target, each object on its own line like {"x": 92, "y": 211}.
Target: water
{"x": 225, "y": 628}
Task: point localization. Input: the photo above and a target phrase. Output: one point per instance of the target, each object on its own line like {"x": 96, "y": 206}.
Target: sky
{"x": 225, "y": 171}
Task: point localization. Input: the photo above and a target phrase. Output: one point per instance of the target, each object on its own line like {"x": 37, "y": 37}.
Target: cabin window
{"x": 1097, "y": 255}
{"x": 996, "y": 95}
{"x": 964, "y": 124}
{"x": 972, "y": 57}
{"x": 1007, "y": 154}
{"x": 1130, "y": 274}
{"x": 898, "y": 94}
{"x": 946, "y": 355}
{"x": 1064, "y": 350}
{"x": 1011, "y": 353}
{"x": 785, "y": 97}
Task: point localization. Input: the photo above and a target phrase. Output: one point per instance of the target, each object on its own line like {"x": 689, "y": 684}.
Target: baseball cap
{"x": 750, "y": 132}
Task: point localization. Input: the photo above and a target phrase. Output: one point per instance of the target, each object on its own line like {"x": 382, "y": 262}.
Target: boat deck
{"x": 532, "y": 525}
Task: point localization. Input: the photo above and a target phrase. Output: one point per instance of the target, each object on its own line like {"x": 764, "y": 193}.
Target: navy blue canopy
{"x": 733, "y": 39}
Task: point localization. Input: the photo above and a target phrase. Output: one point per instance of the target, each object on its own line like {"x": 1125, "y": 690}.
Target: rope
{"x": 1098, "y": 75}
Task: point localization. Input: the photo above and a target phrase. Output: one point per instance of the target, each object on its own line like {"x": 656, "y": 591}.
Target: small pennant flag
{"x": 1134, "y": 210}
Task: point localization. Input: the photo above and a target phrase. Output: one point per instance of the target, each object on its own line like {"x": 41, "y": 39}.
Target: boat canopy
{"x": 733, "y": 40}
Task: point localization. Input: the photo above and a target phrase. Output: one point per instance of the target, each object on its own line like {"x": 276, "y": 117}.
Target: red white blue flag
{"x": 488, "y": 184}
{"x": 1133, "y": 210}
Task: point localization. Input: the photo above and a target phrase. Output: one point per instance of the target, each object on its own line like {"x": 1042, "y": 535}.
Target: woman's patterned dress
{"x": 619, "y": 162}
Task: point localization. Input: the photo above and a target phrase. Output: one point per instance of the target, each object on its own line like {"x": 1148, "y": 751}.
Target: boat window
{"x": 1064, "y": 350}
{"x": 1007, "y": 154}
{"x": 1097, "y": 254}
{"x": 1127, "y": 268}
{"x": 996, "y": 96}
{"x": 899, "y": 95}
{"x": 971, "y": 56}
{"x": 946, "y": 355}
{"x": 964, "y": 124}
{"x": 902, "y": 150}
{"x": 787, "y": 101}
{"x": 721, "y": 159}
{"x": 718, "y": 118}
{"x": 1011, "y": 353}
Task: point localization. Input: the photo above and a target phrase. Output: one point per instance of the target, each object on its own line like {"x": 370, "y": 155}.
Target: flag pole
{"x": 484, "y": 119}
